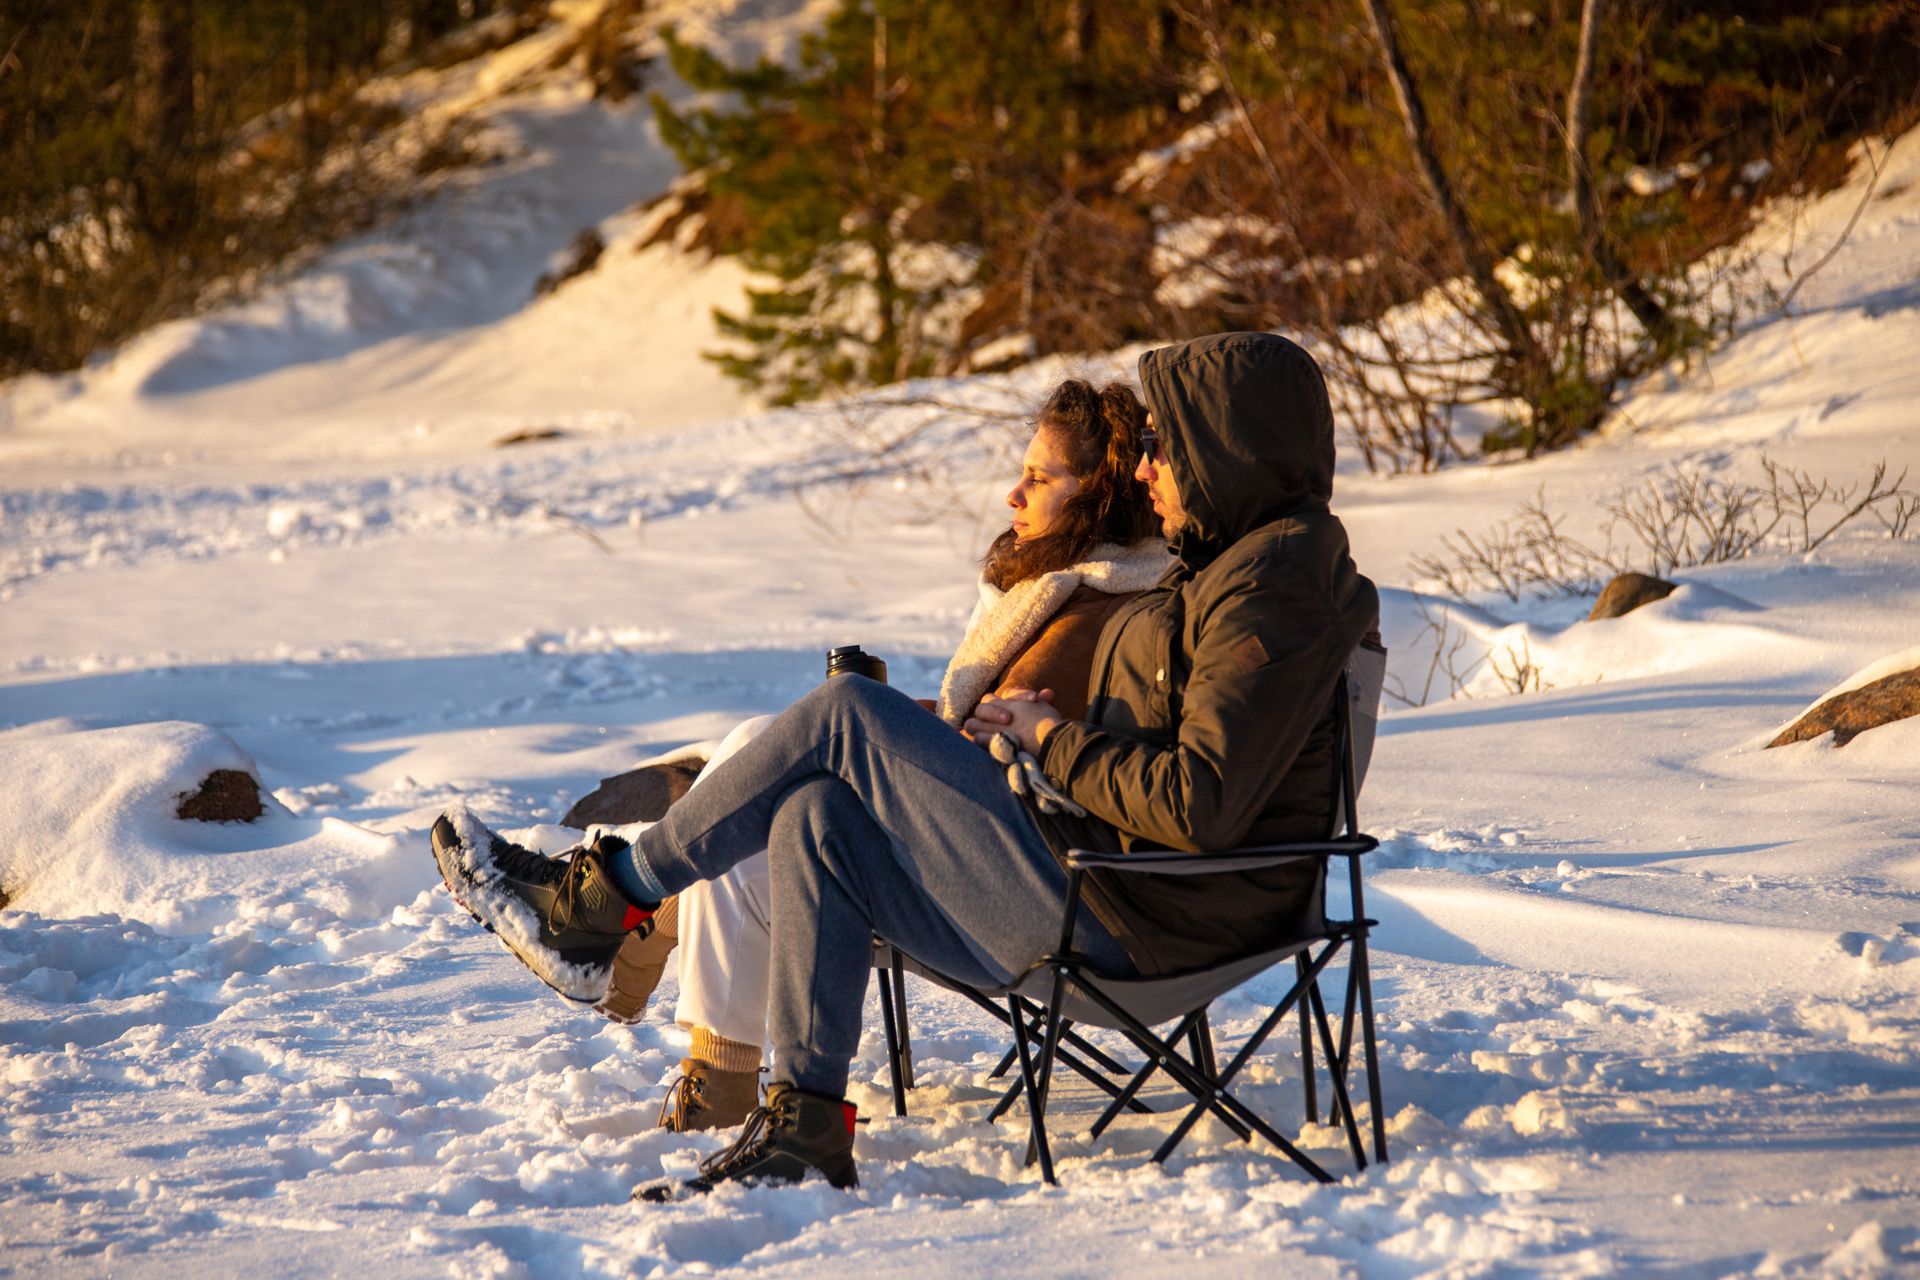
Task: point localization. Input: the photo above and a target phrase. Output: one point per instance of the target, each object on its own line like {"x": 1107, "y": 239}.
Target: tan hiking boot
{"x": 705, "y": 1097}
{"x": 639, "y": 965}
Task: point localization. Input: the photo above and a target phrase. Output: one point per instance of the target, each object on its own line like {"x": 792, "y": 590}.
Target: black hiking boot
{"x": 562, "y": 916}
{"x": 785, "y": 1137}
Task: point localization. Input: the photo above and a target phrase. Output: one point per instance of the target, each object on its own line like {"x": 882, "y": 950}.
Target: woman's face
{"x": 1045, "y": 485}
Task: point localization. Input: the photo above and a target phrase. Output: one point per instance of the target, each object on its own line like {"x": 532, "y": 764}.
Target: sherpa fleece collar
{"x": 1004, "y": 621}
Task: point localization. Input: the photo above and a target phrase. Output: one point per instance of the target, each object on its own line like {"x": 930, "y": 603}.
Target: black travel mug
{"x": 852, "y": 660}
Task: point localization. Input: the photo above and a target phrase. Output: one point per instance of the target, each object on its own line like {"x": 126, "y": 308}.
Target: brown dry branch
{"x": 1846, "y": 233}
{"x": 1516, "y": 669}
{"x": 1680, "y": 520}
{"x": 1443, "y": 665}
{"x": 1688, "y": 518}
{"x": 1897, "y": 517}
{"x": 920, "y": 449}
{"x": 1397, "y": 413}
{"x": 1528, "y": 552}
{"x": 1874, "y": 494}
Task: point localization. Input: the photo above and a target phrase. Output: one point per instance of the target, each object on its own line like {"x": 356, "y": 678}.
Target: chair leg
{"x": 1359, "y": 962}
{"x": 1203, "y": 1054}
{"x": 1069, "y": 1036}
{"x": 900, "y": 1018}
{"x": 1311, "y": 1101}
{"x": 1201, "y": 1041}
{"x": 1036, "y": 1100}
{"x": 1342, "y": 1104}
{"x": 1088, "y": 1049}
{"x": 1215, "y": 1098}
{"x": 888, "y": 1021}
{"x": 1213, "y": 1095}
{"x": 1212, "y": 1069}
{"x": 1349, "y": 1011}
{"x": 1033, "y": 1023}
{"x": 1123, "y": 1099}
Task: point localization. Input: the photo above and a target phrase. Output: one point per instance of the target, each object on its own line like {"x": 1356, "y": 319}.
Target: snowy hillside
{"x": 1650, "y": 993}
{"x": 427, "y": 336}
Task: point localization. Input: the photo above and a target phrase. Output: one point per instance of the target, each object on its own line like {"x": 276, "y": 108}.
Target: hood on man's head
{"x": 1244, "y": 422}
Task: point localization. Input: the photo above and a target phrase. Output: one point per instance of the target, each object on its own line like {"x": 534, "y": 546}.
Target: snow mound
{"x": 1891, "y": 665}
{"x": 1441, "y": 648}
{"x": 88, "y": 826}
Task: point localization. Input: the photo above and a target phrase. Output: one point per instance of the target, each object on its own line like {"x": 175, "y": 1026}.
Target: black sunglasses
{"x": 1150, "y": 444}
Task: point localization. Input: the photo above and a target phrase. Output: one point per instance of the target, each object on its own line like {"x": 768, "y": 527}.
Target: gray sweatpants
{"x": 878, "y": 818}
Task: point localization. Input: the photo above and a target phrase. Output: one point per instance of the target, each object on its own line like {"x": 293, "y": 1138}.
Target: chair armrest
{"x": 1168, "y": 862}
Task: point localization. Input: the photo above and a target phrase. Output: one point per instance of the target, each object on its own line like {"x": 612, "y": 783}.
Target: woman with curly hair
{"x": 1081, "y": 542}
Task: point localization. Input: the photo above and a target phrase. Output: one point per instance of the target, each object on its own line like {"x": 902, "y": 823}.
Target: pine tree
{"x": 828, "y": 167}
{"x": 911, "y": 161}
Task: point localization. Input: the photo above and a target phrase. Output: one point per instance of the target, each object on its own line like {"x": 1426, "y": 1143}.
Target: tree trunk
{"x": 1076, "y": 45}
{"x": 427, "y": 21}
{"x": 305, "y": 40}
{"x": 1593, "y": 233}
{"x": 165, "y": 196}
{"x": 1510, "y": 325}
{"x": 887, "y": 344}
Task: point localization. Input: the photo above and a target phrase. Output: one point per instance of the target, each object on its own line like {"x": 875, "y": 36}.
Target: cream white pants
{"x": 726, "y": 935}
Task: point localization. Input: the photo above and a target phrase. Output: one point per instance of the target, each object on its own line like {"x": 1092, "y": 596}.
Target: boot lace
{"x": 565, "y": 908}
{"x": 528, "y": 865}
{"x": 766, "y": 1122}
{"x": 686, "y": 1098}
{"x": 576, "y": 864}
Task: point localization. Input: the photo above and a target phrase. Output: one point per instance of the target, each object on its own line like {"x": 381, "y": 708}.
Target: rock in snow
{"x": 1849, "y": 714}
{"x": 638, "y": 795}
{"x": 1627, "y": 592}
{"x": 90, "y": 824}
{"x": 228, "y": 795}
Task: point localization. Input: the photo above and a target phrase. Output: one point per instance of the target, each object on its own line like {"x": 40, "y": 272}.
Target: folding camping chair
{"x": 1043, "y": 1005}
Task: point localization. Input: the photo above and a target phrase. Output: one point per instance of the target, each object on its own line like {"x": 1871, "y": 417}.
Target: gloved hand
{"x": 1025, "y": 779}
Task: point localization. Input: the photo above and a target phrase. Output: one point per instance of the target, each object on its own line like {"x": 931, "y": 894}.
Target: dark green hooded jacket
{"x": 1210, "y": 718}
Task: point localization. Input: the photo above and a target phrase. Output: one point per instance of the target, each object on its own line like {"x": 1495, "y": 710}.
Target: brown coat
{"x": 1060, "y": 657}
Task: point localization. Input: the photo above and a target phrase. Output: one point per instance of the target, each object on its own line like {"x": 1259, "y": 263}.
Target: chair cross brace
{"x": 1210, "y": 1093}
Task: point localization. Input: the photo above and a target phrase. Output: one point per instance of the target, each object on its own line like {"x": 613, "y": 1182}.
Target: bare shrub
{"x": 1674, "y": 521}
{"x": 1529, "y": 552}
{"x": 919, "y": 451}
{"x": 1444, "y": 667}
{"x": 1514, "y": 667}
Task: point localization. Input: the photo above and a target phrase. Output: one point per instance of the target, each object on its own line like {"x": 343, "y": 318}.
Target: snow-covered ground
{"x": 1650, "y": 994}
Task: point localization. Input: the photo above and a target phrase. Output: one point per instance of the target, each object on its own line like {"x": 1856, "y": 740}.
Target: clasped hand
{"x": 1027, "y": 715}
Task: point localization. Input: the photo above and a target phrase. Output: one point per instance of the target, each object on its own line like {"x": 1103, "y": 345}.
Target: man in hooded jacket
{"x": 1210, "y": 721}
{"x": 1210, "y": 724}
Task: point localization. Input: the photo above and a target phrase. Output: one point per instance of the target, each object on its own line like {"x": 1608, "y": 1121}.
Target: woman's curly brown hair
{"x": 1098, "y": 434}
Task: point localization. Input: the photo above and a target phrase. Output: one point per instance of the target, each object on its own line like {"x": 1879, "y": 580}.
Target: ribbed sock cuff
{"x": 633, "y": 877}
{"x": 666, "y": 918}
{"x": 727, "y": 1055}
